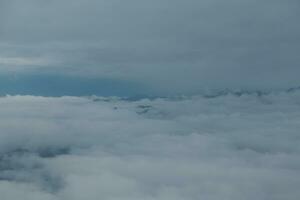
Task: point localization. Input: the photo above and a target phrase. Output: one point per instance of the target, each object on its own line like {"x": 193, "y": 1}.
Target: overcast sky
{"x": 162, "y": 45}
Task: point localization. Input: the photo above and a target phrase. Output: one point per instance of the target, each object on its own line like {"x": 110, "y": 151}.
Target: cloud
{"x": 227, "y": 147}
{"x": 21, "y": 61}
{"x": 214, "y": 145}
{"x": 175, "y": 47}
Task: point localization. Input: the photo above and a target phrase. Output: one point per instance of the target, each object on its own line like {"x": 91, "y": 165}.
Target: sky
{"x": 158, "y": 47}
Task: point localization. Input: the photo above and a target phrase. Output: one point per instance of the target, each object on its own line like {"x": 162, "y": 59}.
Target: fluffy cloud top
{"x": 176, "y": 46}
{"x": 229, "y": 147}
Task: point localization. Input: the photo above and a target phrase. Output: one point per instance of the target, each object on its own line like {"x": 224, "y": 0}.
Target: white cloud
{"x": 227, "y": 147}
{"x": 9, "y": 64}
{"x": 21, "y": 61}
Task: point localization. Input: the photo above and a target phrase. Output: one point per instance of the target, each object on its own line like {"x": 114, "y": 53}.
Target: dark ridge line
{"x": 258, "y": 93}
{"x": 216, "y": 94}
{"x": 209, "y": 94}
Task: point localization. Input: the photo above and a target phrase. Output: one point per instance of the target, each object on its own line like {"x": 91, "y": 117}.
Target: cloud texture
{"x": 229, "y": 147}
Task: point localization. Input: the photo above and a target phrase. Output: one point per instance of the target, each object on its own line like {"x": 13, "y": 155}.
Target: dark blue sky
{"x": 57, "y": 85}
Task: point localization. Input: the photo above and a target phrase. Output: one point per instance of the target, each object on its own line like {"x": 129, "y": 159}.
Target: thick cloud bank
{"x": 230, "y": 147}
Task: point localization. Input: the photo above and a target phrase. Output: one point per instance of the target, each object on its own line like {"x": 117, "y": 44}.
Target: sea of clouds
{"x": 229, "y": 147}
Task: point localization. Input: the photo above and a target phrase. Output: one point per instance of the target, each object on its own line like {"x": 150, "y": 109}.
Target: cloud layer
{"x": 229, "y": 147}
{"x": 172, "y": 46}
{"x": 218, "y": 144}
